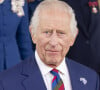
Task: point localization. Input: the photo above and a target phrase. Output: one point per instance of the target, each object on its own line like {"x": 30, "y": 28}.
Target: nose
{"x": 54, "y": 39}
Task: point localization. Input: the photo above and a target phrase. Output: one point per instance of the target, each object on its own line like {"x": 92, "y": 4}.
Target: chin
{"x": 53, "y": 61}
{"x": 52, "y": 64}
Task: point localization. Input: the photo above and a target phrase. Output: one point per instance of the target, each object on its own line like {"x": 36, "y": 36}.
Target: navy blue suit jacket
{"x": 86, "y": 49}
{"x": 27, "y": 76}
{"x": 15, "y": 41}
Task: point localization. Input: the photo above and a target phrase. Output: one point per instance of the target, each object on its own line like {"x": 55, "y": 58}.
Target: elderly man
{"x": 86, "y": 49}
{"x": 53, "y": 30}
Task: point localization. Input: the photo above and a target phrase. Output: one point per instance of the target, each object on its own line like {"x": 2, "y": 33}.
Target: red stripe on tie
{"x": 55, "y": 70}
{"x": 54, "y": 79}
{"x": 61, "y": 87}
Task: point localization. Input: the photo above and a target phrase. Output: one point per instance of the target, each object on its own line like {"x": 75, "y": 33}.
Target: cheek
{"x": 65, "y": 46}
{"x": 41, "y": 43}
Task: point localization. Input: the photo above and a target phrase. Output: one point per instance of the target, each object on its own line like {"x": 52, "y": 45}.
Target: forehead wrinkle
{"x": 54, "y": 16}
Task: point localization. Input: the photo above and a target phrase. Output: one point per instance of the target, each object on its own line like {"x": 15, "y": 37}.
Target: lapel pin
{"x": 83, "y": 80}
{"x": 93, "y": 6}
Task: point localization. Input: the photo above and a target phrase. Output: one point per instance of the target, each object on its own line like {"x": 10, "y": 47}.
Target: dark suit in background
{"x": 86, "y": 49}
{"x": 87, "y": 46}
{"x": 32, "y": 6}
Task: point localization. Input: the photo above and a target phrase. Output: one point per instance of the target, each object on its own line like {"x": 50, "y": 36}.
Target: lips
{"x": 52, "y": 52}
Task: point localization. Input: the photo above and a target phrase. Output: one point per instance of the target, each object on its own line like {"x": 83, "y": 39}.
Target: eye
{"x": 47, "y": 32}
{"x": 61, "y": 33}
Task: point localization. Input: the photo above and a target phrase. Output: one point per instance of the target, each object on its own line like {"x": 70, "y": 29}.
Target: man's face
{"x": 53, "y": 37}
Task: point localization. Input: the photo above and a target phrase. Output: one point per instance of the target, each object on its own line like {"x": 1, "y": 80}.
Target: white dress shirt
{"x": 47, "y": 76}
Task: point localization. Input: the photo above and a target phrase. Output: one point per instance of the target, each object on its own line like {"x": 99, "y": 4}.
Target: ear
{"x": 74, "y": 38}
{"x": 33, "y": 36}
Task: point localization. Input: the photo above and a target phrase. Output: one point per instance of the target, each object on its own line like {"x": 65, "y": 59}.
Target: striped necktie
{"x": 57, "y": 83}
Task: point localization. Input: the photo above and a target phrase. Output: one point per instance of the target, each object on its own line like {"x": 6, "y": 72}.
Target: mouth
{"x": 52, "y": 52}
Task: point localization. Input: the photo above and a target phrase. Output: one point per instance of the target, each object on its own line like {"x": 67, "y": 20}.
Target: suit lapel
{"x": 33, "y": 76}
{"x": 75, "y": 77}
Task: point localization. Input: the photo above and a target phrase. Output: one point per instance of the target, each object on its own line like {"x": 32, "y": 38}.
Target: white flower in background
{"x": 17, "y": 7}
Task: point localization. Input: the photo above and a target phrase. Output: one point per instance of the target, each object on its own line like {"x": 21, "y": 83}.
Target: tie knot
{"x": 54, "y": 72}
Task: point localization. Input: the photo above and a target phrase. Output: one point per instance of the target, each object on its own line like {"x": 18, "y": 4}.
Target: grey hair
{"x": 46, "y": 4}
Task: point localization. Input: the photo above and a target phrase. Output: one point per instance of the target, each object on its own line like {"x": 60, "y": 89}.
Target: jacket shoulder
{"x": 15, "y": 70}
{"x": 81, "y": 68}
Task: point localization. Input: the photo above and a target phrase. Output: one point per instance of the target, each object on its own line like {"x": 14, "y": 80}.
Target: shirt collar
{"x": 46, "y": 69}
{"x": 43, "y": 67}
{"x": 62, "y": 67}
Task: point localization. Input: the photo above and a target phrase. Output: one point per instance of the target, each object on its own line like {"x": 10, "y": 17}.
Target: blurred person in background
{"x": 32, "y": 4}
{"x": 15, "y": 41}
{"x": 86, "y": 49}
